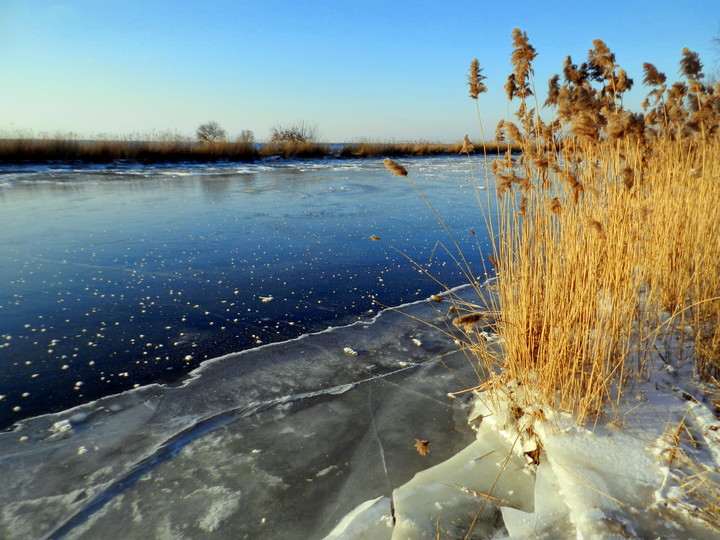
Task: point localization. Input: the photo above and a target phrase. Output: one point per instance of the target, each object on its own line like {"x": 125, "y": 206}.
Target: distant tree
{"x": 246, "y": 136}
{"x": 297, "y": 132}
{"x": 210, "y": 132}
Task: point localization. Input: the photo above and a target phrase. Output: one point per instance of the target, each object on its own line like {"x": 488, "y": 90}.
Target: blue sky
{"x": 360, "y": 70}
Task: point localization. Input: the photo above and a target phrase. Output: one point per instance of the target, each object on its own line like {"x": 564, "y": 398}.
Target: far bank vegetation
{"x": 212, "y": 143}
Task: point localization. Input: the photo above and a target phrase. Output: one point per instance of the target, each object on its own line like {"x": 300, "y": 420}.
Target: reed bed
{"x": 608, "y": 243}
{"x": 419, "y": 148}
{"x": 295, "y": 149}
{"x": 607, "y": 247}
{"x": 100, "y": 151}
{"x": 30, "y": 149}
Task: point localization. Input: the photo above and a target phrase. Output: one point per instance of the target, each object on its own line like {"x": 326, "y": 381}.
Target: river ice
{"x": 277, "y": 442}
{"x": 120, "y": 275}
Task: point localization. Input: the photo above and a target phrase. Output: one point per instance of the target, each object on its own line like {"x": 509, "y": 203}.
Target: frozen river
{"x": 119, "y": 281}
{"x": 117, "y": 276}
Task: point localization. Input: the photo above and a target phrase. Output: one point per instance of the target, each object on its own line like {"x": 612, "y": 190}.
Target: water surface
{"x": 120, "y": 275}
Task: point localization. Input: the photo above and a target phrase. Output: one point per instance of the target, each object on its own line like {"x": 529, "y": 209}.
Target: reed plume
{"x": 475, "y": 79}
{"x": 521, "y": 58}
{"x": 395, "y": 168}
{"x": 690, "y": 65}
{"x": 469, "y": 320}
{"x": 467, "y": 146}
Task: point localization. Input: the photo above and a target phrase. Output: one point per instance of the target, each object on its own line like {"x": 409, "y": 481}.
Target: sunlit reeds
{"x": 72, "y": 148}
{"x": 608, "y": 241}
{"x": 420, "y": 148}
{"x": 107, "y": 150}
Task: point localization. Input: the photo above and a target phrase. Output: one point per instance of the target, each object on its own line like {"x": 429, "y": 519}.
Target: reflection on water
{"x": 116, "y": 276}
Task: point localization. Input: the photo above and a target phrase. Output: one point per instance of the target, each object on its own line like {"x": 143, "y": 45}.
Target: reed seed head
{"x": 690, "y": 65}
{"x": 422, "y": 447}
{"x": 652, "y": 76}
{"x": 475, "y": 79}
{"x": 553, "y": 91}
{"x": 521, "y": 58}
{"x": 511, "y": 86}
{"x": 396, "y": 168}
{"x": 594, "y": 224}
{"x": 469, "y": 320}
{"x": 467, "y": 146}
{"x": 555, "y": 206}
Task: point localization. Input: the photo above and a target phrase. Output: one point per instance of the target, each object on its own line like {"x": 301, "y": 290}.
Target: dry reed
{"x": 608, "y": 237}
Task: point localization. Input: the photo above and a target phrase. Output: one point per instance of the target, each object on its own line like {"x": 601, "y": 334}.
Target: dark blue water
{"x": 116, "y": 276}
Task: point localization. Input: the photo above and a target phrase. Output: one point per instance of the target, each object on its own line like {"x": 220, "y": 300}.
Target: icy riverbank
{"x": 533, "y": 473}
{"x": 313, "y": 438}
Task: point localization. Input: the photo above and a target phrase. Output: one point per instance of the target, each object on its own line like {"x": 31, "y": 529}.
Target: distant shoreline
{"x": 14, "y": 151}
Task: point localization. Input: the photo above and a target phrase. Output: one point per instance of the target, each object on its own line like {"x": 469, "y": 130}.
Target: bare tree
{"x": 210, "y": 132}
{"x": 297, "y": 132}
{"x": 246, "y": 136}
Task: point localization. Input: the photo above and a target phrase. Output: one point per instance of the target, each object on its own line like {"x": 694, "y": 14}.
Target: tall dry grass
{"x": 71, "y": 148}
{"x": 107, "y": 150}
{"x": 608, "y": 242}
{"x": 419, "y": 148}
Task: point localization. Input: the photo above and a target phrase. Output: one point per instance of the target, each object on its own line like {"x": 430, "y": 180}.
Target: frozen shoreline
{"x": 326, "y": 451}
{"x": 645, "y": 475}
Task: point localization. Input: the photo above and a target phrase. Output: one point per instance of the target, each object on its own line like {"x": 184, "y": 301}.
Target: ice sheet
{"x": 277, "y": 442}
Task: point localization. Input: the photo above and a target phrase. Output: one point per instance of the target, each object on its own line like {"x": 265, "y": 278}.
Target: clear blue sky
{"x": 370, "y": 69}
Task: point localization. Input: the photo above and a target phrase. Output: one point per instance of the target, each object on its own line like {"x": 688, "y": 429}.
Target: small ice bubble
{"x": 23, "y": 438}
{"x": 351, "y": 352}
{"x": 81, "y": 450}
{"x": 256, "y": 451}
{"x": 417, "y": 342}
{"x": 16, "y": 409}
{"x": 266, "y": 299}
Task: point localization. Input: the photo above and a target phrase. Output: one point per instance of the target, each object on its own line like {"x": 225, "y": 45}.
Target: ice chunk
{"x": 371, "y": 520}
